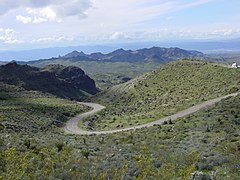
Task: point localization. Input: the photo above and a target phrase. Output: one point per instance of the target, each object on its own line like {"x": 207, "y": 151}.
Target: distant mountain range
{"x": 156, "y": 54}
{"x": 66, "y": 82}
{"x": 206, "y": 46}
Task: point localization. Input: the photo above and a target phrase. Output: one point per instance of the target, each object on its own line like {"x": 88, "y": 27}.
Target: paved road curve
{"x": 73, "y": 128}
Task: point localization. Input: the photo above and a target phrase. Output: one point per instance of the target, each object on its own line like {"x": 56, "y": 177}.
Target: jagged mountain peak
{"x": 157, "y": 54}
{"x": 74, "y": 54}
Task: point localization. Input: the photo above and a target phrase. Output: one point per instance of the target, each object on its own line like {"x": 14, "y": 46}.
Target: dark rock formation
{"x": 67, "y": 82}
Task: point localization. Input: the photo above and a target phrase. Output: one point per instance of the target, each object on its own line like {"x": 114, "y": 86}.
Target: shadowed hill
{"x": 67, "y": 82}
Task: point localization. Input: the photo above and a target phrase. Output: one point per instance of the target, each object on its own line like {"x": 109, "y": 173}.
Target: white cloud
{"x": 110, "y": 21}
{"x": 150, "y": 34}
{"x": 159, "y": 34}
{"x": 118, "y": 36}
{"x": 226, "y": 32}
{"x": 46, "y": 10}
{"x": 38, "y": 16}
{"x": 9, "y": 36}
{"x": 54, "y": 39}
{"x": 24, "y": 19}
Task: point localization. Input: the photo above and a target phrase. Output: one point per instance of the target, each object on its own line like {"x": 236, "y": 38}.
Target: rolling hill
{"x": 174, "y": 87}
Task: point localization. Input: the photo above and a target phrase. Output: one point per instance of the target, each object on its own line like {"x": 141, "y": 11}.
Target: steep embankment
{"x": 174, "y": 87}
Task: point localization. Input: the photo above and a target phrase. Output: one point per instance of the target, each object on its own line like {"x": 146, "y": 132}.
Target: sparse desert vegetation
{"x": 32, "y": 111}
{"x": 174, "y": 87}
{"x": 203, "y": 145}
{"x": 119, "y": 90}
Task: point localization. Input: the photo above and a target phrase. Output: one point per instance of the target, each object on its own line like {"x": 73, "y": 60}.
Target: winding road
{"x": 73, "y": 128}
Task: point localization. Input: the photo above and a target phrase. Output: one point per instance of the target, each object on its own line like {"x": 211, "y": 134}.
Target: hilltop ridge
{"x": 157, "y": 54}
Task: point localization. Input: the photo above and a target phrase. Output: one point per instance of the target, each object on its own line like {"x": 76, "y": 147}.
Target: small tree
{"x": 85, "y": 153}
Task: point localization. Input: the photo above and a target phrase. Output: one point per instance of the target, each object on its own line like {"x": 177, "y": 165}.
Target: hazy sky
{"x": 26, "y": 24}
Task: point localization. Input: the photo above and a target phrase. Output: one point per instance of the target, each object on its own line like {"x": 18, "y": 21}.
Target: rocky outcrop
{"x": 67, "y": 82}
